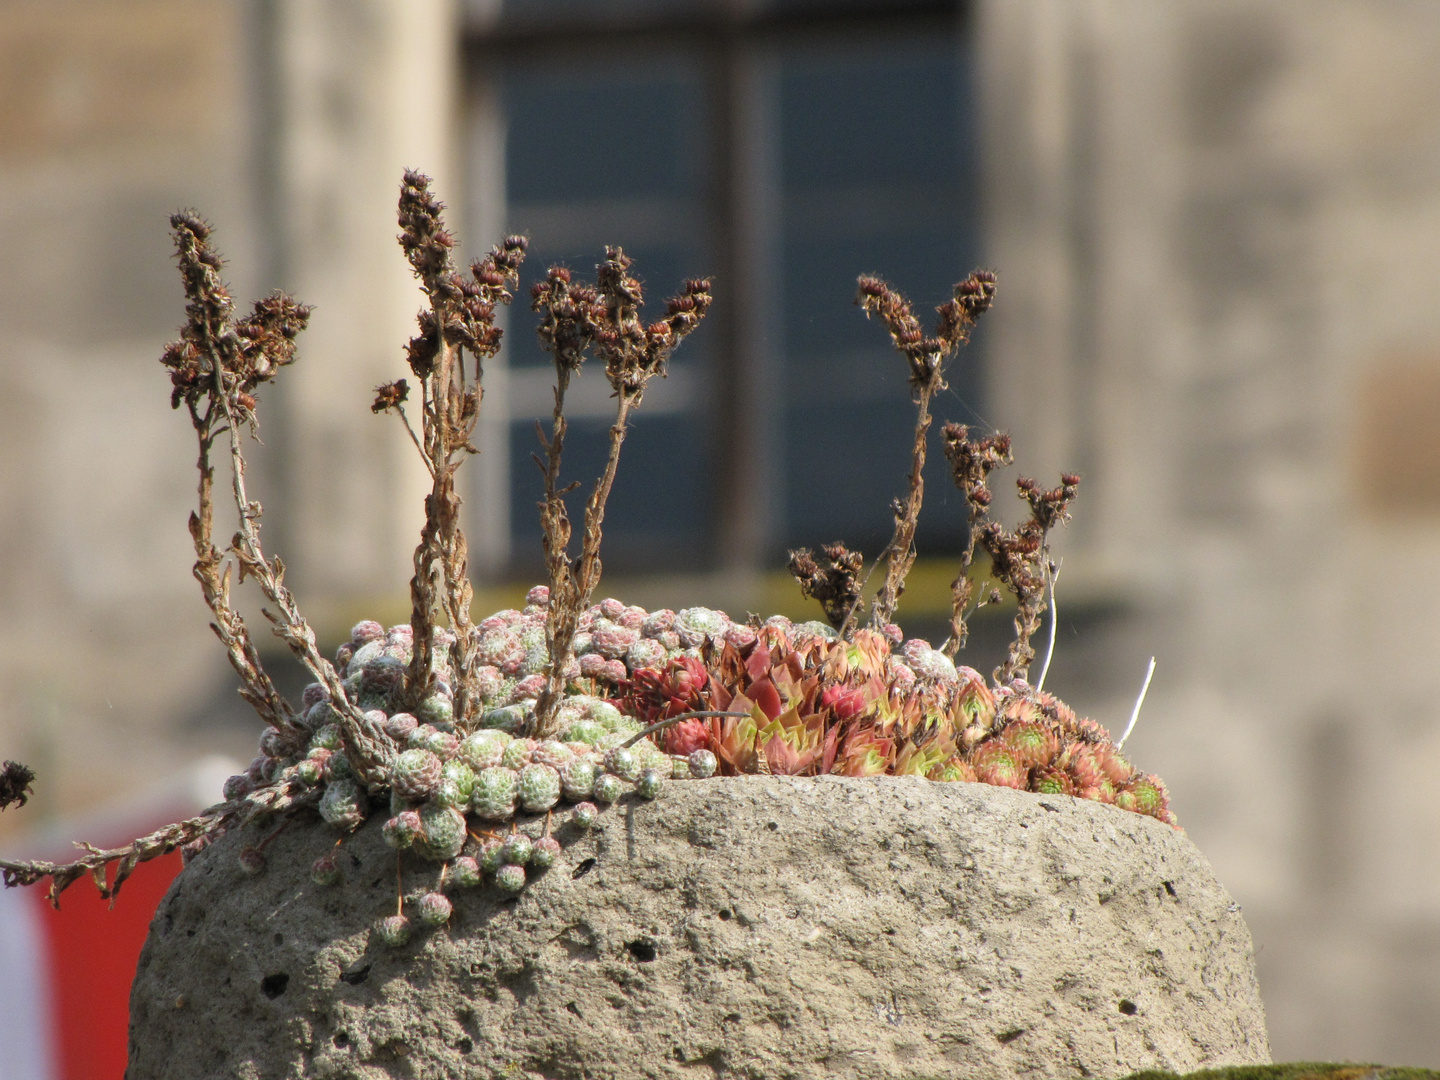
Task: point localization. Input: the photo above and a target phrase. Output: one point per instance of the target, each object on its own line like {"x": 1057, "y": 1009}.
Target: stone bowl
{"x": 741, "y": 927}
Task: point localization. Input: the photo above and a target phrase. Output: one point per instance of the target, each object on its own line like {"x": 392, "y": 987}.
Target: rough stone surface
{"x": 760, "y": 927}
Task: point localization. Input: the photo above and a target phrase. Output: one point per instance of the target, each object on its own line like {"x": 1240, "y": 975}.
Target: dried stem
{"x": 213, "y": 822}
{"x": 899, "y": 554}
{"x": 215, "y": 367}
{"x": 971, "y": 462}
{"x": 927, "y": 357}
{"x": 368, "y": 749}
{"x": 460, "y": 318}
{"x": 607, "y": 319}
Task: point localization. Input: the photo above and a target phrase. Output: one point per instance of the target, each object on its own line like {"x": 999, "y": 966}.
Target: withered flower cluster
{"x": 607, "y": 319}
{"x": 836, "y": 585}
{"x": 459, "y": 320}
{"x": 1019, "y": 559}
{"x": 15, "y": 781}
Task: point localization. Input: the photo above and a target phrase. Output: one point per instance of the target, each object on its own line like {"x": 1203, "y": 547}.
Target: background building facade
{"x": 1217, "y": 230}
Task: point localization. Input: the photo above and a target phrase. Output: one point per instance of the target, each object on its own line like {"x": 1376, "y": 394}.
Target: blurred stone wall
{"x": 1217, "y": 227}
{"x": 112, "y": 116}
{"x": 287, "y": 124}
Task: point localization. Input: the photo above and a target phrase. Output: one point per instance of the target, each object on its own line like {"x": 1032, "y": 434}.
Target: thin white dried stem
{"x": 1135, "y": 712}
{"x": 1052, "y": 573}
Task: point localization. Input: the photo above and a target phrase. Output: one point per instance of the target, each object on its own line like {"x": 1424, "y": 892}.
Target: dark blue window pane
{"x": 602, "y": 131}
{"x": 878, "y": 180}
{"x": 879, "y": 115}
{"x": 659, "y": 504}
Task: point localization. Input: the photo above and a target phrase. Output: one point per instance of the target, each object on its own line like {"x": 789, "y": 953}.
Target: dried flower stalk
{"x": 1018, "y": 560}
{"x": 971, "y": 462}
{"x": 607, "y": 319}
{"x": 215, "y": 368}
{"x": 927, "y": 357}
{"x": 201, "y": 829}
{"x": 460, "y": 318}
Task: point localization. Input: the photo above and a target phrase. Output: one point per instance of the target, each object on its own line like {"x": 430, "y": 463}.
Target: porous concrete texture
{"x": 759, "y": 927}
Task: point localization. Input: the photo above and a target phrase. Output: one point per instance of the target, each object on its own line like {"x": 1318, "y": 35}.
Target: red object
{"x": 93, "y": 950}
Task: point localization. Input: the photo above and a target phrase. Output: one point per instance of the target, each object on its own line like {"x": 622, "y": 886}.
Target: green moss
{"x": 1296, "y": 1070}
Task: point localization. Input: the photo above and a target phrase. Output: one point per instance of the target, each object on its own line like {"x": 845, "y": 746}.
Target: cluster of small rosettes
{"x": 457, "y": 794}
{"x": 449, "y": 790}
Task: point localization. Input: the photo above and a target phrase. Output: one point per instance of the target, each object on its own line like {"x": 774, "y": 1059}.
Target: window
{"x": 783, "y": 153}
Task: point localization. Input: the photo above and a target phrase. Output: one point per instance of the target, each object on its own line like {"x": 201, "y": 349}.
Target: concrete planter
{"x": 751, "y": 927}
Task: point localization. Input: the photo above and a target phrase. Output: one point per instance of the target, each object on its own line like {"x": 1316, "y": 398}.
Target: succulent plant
{"x": 328, "y": 738}
{"x": 460, "y": 779}
{"x": 483, "y": 749}
{"x": 608, "y": 788}
{"x": 491, "y": 855}
{"x": 1051, "y": 781}
{"x": 510, "y": 877}
{"x": 464, "y": 873}
{"x": 650, "y": 783}
{"x": 325, "y": 870}
{"x": 623, "y": 762}
{"x": 697, "y": 624}
{"x": 516, "y": 754}
{"x": 251, "y": 860}
{"x": 337, "y": 767}
{"x": 547, "y": 850}
{"x": 343, "y": 805}
{"x": 517, "y": 848}
{"x": 1145, "y": 795}
{"x": 1035, "y": 743}
{"x": 577, "y": 778}
{"x": 237, "y": 786}
{"x": 415, "y": 773}
{"x": 998, "y": 764}
{"x": 552, "y": 753}
{"x": 434, "y": 909}
{"x": 394, "y": 930}
{"x": 702, "y": 764}
{"x": 402, "y": 830}
{"x": 442, "y": 831}
{"x": 495, "y": 794}
{"x": 585, "y": 815}
{"x": 538, "y": 787}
